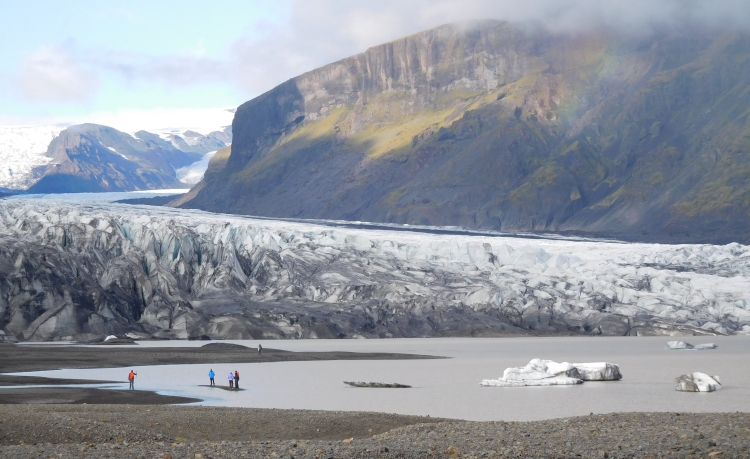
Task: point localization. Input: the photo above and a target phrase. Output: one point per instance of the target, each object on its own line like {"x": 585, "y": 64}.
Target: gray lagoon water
{"x": 450, "y": 387}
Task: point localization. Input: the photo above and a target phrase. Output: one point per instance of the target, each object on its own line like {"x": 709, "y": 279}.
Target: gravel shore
{"x": 90, "y": 431}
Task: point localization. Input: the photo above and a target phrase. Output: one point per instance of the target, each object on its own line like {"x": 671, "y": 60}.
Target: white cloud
{"x": 323, "y": 31}
{"x": 52, "y": 74}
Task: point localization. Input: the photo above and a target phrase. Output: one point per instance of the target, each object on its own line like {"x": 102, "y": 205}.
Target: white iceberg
{"x": 598, "y": 371}
{"x": 538, "y": 372}
{"x": 679, "y": 345}
{"x": 110, "y": 337}
{"x": 698, "y": 382}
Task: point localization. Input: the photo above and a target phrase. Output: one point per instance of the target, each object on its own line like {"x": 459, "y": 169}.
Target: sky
{"x": 142, "y": 61}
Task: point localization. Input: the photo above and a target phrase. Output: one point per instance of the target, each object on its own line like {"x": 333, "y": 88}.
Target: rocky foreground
{"x": 71, "y": 271}
{"x": 84, "y": 431}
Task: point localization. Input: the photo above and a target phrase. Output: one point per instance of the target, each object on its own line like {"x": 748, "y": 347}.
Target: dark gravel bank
{"x": 84, "y": 431}
{"x": 35, "y": 358}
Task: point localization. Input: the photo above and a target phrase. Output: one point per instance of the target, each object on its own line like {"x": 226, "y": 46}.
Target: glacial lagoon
{"x": 450, "y": 387}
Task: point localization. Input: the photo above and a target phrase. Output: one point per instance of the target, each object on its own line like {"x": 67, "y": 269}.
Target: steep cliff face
{"x": 90, "y": 158}
{"x": 487, "y": 125}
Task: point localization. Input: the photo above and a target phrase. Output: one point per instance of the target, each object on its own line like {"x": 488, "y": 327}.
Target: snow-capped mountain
{"x": 24, "y": 151}
{"x": 23, "y": 154}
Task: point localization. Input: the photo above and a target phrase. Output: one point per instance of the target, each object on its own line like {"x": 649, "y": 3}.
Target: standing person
{"x": 260, "y": 348}
{"x": 211, "y": 375}
{"x": 131, "y": 379}
{"x": 236, "y": 380}
{"x": 231, "y": 379}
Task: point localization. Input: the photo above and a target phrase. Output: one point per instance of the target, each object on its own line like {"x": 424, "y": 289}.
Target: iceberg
{"x": 698, "y": 382}
{"x": 598, "y": 371}
{"x": 680, "y": 345}
{"x": 540, "y": 372}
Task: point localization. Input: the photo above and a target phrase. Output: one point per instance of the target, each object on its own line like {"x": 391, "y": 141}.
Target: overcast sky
{"x": 71, "y": 61}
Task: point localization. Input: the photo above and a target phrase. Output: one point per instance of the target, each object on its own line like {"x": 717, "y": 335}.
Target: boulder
{"x": 698, "y": 382}
{"x": 538, "y": 372}
{"x": 598, "y": 371}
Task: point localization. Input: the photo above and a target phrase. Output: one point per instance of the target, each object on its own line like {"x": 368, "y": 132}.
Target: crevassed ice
{"x": 700, "y": 286}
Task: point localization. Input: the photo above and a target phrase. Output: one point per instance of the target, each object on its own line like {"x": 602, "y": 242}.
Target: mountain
{"x": 24, "y": 149}
{"x": 83, "y": 271}
{"x": 488, "y": 125}
{"x": 91, "y": 158}
{"x": 198, "y": 143}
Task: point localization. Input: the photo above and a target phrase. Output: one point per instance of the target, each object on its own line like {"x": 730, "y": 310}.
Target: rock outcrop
{"x": 85, "y": 271}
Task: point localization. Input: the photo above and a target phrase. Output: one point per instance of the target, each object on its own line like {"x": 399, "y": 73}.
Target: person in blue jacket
{"x": 211, "y": 375}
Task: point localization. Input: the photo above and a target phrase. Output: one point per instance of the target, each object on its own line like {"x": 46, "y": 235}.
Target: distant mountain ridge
{"x": 487, "y": 125}
{"x": 94, "y": 158}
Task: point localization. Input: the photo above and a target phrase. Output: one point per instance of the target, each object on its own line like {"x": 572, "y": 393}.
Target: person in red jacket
{"x": 131, "y": 378}
{"x": 236, "y": 380}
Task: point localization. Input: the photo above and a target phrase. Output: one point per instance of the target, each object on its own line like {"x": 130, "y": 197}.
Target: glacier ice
{"x": 697, "y": 382}
{"x": 598, "y": 371}
{"x": 193, "y": 173}
{"x": 540, "y": 372}
{"x": 80, "y": 269}
{"x": 23, "y": 151}
{"x": 537, "y": 372}
{"x": 683, "y": 345}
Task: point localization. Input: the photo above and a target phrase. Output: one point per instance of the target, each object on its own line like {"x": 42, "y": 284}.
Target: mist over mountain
{"x": 490, "y": 125}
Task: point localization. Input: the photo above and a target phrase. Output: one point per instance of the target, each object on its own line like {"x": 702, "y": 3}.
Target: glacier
{"x": 193, "y": 173}
{"x": 23, "y": 153}
{"x": 78, "y": 271}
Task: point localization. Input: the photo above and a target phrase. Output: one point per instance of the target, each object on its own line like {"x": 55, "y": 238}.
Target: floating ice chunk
{"x": 110, "y": 337}
{"x": 683, "y": 345}
{"x": 698, "y": 382}
{"x": 598, "y": 371}
{"x": 538, "y": 372}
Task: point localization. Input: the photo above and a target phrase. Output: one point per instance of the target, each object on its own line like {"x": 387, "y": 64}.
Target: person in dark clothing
{"x": 236, "y": 380}
{"x": 260, "y": 348}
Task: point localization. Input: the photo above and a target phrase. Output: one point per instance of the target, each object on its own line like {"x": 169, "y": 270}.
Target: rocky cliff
{"x": 487, "y": 125}
{"x": 85, "y": 271}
